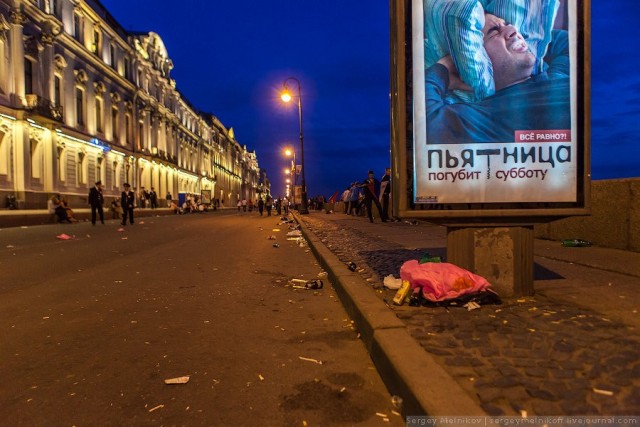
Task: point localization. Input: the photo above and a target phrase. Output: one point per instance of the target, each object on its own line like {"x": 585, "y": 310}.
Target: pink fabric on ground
{"x": 441, "y": 281}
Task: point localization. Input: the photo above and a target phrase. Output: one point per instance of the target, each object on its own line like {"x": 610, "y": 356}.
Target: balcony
{"x": 44, "y": 107}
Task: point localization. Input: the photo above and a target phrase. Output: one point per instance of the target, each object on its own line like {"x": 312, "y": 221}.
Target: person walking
{"x": 153, "y": 198}
{"x": 96, "y": 200}
{"x": 260, "y": 205}
{"x": 371, "y": 188}
{"x": 354, "y": 199}
{"x": 385, "y": 191}
{"x": 268, "y": 205}
{"x": 127, "y": 201}
{"x": 169, "y": 198}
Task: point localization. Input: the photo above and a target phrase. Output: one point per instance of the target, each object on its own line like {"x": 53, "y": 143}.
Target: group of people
{"x": 367, "y": 193}
{"x": 265, "y": 205}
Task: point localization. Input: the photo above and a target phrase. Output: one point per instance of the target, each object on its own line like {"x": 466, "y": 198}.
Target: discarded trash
{"x": 471, "y": 305}
{"x": 294, "y": 233}
{"x": 10, "y": 246}
{"x": 442, "y": 281}
{"x": 178, "y": 380}
{"x": 141, "y": 222}
{"x": 396, "y": 401}
{"x": 260, "y": 377}
{"x": 64, "y": 237}
{"x": 603, "y": 392}
{"x": 319, "y": 362}
{"x": 306, "y": 284}
{"x": 120, "y": 229}
{"x": 402, "y": 293}
{"x": 156, "y": 407}
{"x": 323, "y": 275}
{"x": 275, "y": 245}
{"x": 276, "y": 229}
{"x": 428, "y": 258}
{"x": 352, "y": 266}
{"x": 576, "y": 243}
{"x": 391, "y": 282}
{"x": 272, "y": 237}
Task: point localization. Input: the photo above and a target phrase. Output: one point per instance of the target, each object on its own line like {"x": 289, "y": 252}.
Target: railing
{"x": 44, "y": 107}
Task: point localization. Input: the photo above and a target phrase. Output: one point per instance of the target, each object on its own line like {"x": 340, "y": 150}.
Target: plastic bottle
{"x": 576, "y": 243}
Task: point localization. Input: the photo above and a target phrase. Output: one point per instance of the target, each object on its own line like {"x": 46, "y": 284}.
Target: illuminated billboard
{"x": 495, "y": 96}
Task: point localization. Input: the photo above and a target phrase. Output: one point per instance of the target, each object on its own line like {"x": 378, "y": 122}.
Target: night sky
{"x": 232, "y": 57}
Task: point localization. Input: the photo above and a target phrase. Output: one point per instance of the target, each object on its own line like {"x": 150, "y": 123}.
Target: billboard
{"x": 495, "y": 96}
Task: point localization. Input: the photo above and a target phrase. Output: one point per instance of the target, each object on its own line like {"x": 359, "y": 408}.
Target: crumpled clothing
{"x": 441, "y": 281}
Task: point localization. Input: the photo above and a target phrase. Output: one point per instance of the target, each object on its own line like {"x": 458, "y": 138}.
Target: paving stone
{"x": 439, "y": 351}
{"x": 541, "y": 394}
{"x": 537, "y": 372}
{"x": 563, "y": 374}
{"x": 492, "y": 410}
{"x": 578, "y": 408}
{"x": 455, "y": 361}
{"x": 544, "y": 407}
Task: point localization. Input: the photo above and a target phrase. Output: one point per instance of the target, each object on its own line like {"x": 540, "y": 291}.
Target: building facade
{"x": 83, "y": 100}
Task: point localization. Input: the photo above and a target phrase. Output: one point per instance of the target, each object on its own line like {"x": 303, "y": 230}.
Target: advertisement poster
{"x": 495, "y": 101}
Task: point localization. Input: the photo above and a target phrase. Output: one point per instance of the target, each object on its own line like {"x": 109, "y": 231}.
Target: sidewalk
{"x": 571, "y": 349}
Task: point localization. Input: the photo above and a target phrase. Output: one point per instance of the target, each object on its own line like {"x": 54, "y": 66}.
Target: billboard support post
{"x": 501, "y": 254}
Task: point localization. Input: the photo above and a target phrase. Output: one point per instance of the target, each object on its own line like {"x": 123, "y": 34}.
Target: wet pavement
{"x": 571, "y": 349}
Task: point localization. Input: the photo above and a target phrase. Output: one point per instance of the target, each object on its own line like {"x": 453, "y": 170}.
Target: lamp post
{"x": 289, "y": 152}
{"x": 286, "y": 97}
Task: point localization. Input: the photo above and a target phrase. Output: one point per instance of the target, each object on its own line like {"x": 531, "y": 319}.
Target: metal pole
{"x": 304, "y": 208}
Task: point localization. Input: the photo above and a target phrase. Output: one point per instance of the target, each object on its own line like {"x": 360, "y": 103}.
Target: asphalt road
{"x": 92, "y": 326}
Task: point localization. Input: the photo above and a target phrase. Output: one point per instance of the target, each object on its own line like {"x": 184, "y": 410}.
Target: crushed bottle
{"x": 352, "y": 266}
{"x": 576, "y": 243}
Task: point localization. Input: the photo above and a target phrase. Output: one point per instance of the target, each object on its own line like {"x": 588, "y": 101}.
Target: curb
{"x": 406, "y": 368}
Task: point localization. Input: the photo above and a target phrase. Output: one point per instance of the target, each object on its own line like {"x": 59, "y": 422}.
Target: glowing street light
{"x": 287, "y": 97}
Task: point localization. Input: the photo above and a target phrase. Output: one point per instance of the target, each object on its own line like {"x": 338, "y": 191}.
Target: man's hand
{"x": 455, "y": 82}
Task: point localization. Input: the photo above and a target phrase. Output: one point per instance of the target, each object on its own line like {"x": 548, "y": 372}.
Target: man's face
{"x": 510, "y": 57}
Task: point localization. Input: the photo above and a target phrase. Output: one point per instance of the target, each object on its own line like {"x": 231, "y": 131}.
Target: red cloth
{"x": 441, "y": 281}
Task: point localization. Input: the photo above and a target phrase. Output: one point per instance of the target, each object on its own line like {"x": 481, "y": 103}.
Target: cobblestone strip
{"x": 532, "y": 355}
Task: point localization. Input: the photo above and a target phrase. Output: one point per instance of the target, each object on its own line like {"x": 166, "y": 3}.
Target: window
{"x": 80, "y": 178}
{"x": 112, "y": 55}
{"x": 127, "y": 68}
{"x": 115, "y": 123}
{"x": 128, "y": 129}
{"x": 99, "y": 115}
{"x": 28, "y": 76}
{"x": 62, "y": 166}
{"x": 80, "y": 106}
{"x": 57, "y": 88}
{"x": 96, "y": 41}
{"x": 77, "y": 27}
{"x": 56, "y": 8}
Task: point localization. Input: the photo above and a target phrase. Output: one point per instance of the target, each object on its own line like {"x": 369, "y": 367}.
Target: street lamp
{"x": 287, "y": 97}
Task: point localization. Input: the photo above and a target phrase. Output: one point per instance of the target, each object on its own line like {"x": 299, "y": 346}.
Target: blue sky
{"x": 231, "y": 58}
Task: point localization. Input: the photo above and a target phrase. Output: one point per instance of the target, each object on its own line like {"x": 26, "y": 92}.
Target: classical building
{"x": 82, "y": 100}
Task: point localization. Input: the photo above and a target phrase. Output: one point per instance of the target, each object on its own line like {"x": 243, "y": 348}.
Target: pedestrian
{"x": 116, "y": 209}
{"x": 96, "y": 200}
{"x": 268, "y": 205}
{"x": 169, "y": 199}
{"x": 250, "y": 205}
{"x": 385, "y": 191}
{"x": 354, "y": 199}
{"x": 244, "y": 205}
{"x": 345, "y": 198}
{"x": 127, "y": 201}
{"x": 239, "y": 205}
{"x": 260, "y": 205}
{"x": 371, "y": 187}
{"x": 142, "y": 197}
{"x": 279, "y": 206}
{"x": 153, "y": 198}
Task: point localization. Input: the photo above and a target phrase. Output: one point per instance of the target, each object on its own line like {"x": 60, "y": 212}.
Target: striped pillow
{"x": 455, "y": 27}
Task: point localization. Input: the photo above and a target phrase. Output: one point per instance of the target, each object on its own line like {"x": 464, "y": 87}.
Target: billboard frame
{"x": 511, "y": 213}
